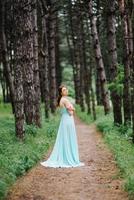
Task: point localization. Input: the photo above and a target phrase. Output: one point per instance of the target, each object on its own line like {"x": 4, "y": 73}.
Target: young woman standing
{"x": 65, "y": 152}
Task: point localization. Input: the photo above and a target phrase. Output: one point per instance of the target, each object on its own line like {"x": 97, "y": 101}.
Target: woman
{"x": 65, "y": 151}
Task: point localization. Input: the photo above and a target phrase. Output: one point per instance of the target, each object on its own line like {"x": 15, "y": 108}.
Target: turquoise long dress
{"x": 65, "y": 151}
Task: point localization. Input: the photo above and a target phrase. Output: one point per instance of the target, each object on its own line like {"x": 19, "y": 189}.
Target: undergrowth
{"x": 119, "y": 140}
{"x": 17, "y": 157}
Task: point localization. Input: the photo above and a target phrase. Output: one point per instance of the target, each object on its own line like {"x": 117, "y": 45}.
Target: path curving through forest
{"x": 97, "y": 180}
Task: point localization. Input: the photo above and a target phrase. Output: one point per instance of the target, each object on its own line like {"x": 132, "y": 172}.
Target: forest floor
{"x": 98, "y": 180}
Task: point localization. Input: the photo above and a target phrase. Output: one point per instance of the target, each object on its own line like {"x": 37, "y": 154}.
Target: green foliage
{"x": 3, "y": 188}
{"x": 123, "y": 150}
{"x": 125, "y": 130}
{"x": 24, "y": 164}
{"x": 17, "y": 157}
{"x": 1, "y": 98}
{"x": 83, "y": 115}
{"x": 105, "y": 123}
{"x": 5, "y": 109}
{"x": 117, "y": 84}
{"x": 31, "y": 129}
{"x": 129, "y": 186}
{"x": 68, "y": 79}
{"x": 88, "y": 118}
{"x": 50, "y": 130}
{"x": 119, "y": 140}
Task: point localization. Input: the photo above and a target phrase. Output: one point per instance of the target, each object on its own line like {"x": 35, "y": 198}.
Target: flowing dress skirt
{"x": 65, "y": 151}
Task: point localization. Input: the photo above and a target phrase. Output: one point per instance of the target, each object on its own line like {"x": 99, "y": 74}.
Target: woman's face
{"x": 64, "y": 91}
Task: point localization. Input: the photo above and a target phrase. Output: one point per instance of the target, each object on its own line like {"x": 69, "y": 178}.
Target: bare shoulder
{"x": 63, "y": 101}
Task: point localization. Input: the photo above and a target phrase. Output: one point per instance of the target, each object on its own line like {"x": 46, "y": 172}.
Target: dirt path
{"x": 94, "y": 181}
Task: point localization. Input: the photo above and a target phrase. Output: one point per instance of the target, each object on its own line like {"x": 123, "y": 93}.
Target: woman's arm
{"x": 69, "y": 106}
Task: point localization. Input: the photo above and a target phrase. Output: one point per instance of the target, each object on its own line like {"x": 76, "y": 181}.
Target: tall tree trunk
{"x": 57, "y": 54}
{"x": 77, "y": 25}
{"x": 71, "y": 54}
{"x": 131, "y": 49}
{"x": 85, "y": 70}
{"x": 87, "y": 87}
{"x": 3, "y": 85}
{"x": 133, "y": 87}
{"x": 45, "y": 68}
{"x": 131, "y": 53}
{"x": 36, "y": 80}
{"x": 18, "y": 69}
{"x": 99, "y": 60}
{"x": 28, "y": 61}
{"x": 92, "y": 92}
{"x": 5, "y": 57}
{"x": 44, "y": 56}
{"x": 126, "y": 92}
{"x": 98, "y": 88}
{"x": 81, "y": 55}
{"x": 70, "y": 43}
{"x": 115, "y": 96}
{"x": 88, "y": 78}
{"x": 76, "y": 58}
{"x": 52, "y": 57}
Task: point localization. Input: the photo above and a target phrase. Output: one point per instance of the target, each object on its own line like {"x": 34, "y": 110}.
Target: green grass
{"x": 16, "y": 157}
{"x": 119, "y": 140}
{"x": 83, "y": 115}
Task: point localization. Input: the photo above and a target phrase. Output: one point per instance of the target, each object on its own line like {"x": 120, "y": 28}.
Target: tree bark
{"x": 115, "y": 95}
{"x": 57, "y": 54}
{"x": 44, "y": 56}
{"x": 85, "y": 69}
{"x": 36, "y": 80}
{"x": 127, "y": 61}
{"x": 75, "y": 53}
{"x": 81, "y": 56}
{"x": 52, "y": 57}
{"x": 99, "y": 60}
{"x": 92, "y": 94}
{"x": 18, "y": 69}
{"x": 98, "y": 88}
{"x": 28, "y": 61}
{"x": 5, "y": 56}
{"x": 46, "y": 69}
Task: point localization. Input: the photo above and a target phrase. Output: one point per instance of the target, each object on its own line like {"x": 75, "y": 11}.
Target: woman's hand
{"x": 70, "y": 109}
{"x": 69, "y": 106}
{"x": 71, "y": 112}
